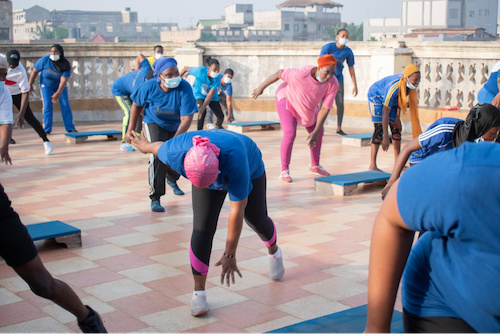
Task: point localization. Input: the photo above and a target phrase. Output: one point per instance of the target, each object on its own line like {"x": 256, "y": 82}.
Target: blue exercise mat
{"x": 360, "y": 136}
{"x": 355, "y": 178}
{"x": 349, "y": 321}
{"x": 51, "y": 229}
{"x": 93, "y": 133}
{"x": 255, "y": 123}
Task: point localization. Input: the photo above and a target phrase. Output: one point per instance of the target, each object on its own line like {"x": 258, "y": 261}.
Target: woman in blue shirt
{"x": 482, "y": 124}
{"x": 169, "y": 105}
{"x": 220, "y": 162}
{"x": 205, "y": 87}
{"x": 490, "y": 92}
{"x": 55, "y": 72}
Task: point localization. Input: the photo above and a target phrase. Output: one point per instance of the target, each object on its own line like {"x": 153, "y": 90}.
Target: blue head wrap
{"x": 161, "y": 65}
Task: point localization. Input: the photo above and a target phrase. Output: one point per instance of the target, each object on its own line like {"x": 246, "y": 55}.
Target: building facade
{"x": 6, "y": 29}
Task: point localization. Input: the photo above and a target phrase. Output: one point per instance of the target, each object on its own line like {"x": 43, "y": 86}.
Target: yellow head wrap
{"x": 412, "y": 99}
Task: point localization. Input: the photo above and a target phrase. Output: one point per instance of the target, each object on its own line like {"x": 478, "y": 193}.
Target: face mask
{"x": 54, "y": 57}
{"x": 227, "y": 80}
{"x": 409, "y": 85}
{"x": 2, "y": 84}
{"x": 172, "y": 83}
{"x": 9, "y": 69}
{"x": 213, "y": 74}
{"x": 158, "y": 56}
{"x": 479, "y": 140}
{"x": 319, "y": 78}
{"x": 343, "y": 41}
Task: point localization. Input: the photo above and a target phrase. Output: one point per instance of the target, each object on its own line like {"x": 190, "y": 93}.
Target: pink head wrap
{"x": 201, "y": 163}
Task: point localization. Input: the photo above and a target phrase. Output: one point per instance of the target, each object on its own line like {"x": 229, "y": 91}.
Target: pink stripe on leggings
{"x": 199, "y": 266}
{"x": 271, "y": 242}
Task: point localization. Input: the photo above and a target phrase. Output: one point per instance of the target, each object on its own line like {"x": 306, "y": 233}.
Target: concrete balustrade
{"x": 452, "y": 73}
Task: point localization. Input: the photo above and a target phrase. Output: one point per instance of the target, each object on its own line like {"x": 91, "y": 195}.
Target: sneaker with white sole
{"x": 318, "y": 170}
{"x": 210, "y": 126}
{"x": 47, "y": 145}
{"x": 276, "y": 267}
{"x": 127, "y": 147}
{"x": 285, "y": 176}
{"x": 199, "y": 305}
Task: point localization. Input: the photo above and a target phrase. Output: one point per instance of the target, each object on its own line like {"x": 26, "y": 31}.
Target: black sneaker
{"x": 340, "y": 132}
{"x": 12, "y": 141}
{"x": 93, "y": 323}
{"x": 74, "y": 130}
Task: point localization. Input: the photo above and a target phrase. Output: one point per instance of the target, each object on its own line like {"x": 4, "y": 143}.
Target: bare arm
{"x": 407, "y": 150}
{"x": 229, "y": 103}
{"x": 33, "y": 76}
{"x": 234, "y": 228}
{"x": 135, "y": 111}
{"x": 143, "y": 145}
{"x": 272, "y": 79}
{"x": 5, "y": 135}
{"x": 313, "y": 136}
{"x": 353, "y": 78}
{"x": 496, "y": 99}
{"x": 185, "y": 72}
{"x": 390, "y": 246}
{"x": 185, "y": 124}
{"x": 62, "y": 85}
{"x": 207, "y": 101}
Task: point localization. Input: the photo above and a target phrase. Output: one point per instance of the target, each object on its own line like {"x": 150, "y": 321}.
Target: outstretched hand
{"x": 139, "y": 142}
{"x": 256, "y": 93}
{"x": 229, "y": 267}
{"x": 4, "y": 156}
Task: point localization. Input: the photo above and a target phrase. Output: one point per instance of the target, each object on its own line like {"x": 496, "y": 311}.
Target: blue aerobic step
{"x": 246, "y": 126}
{"x": 348, "y": 321}
{"x": 61, "y": 232}
{"x": 360, "y": 139}
{"x": 343, "y": 184}
{"x": 80, "y": 137}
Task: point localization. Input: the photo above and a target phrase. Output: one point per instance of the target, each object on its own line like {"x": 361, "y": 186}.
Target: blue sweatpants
{"x": 66, "y": 112}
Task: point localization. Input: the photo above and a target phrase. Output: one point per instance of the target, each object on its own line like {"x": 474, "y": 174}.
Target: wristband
{"x": 228, "y": 255}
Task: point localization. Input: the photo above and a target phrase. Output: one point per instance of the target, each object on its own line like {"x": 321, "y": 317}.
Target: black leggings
{"x": 29, "y": 117}
{"x": 207, "y": 204}
{"x": 215, "y": 106}
{"x": 416, "y": 324}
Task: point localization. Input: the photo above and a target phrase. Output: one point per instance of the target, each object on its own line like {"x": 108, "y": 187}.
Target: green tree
{"x": 45, "y": 32}
{"x": 206, "y": 37}
{"x": 355, "y": 32}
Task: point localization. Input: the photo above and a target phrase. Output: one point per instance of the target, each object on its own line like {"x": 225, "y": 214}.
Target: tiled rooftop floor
{"x": 134, "y": 267}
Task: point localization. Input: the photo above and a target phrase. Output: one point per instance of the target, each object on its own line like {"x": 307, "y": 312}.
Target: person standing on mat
{"x": 482, "y": 124}
{"x": 19, "y": 88}
{"x": 342, "y": 53}
{"x": 122, "y": 88}
{"x": 169, "y": 105}
{"x": 55, "y": 72}
{"x": 386, "y": 99}
{"x": 220, "y": 162}
{"x": 225, "y": 98}
{"x": 450, "y": 274}
{"x": 297, "y": 100}
{"x": 205, "y": 87}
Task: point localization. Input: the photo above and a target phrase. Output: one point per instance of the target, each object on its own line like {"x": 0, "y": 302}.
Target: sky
{"x": 188, "y": 12}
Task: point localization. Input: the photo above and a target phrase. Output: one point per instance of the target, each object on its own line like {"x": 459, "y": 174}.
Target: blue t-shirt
{"x": 203, "y": 84}
{"x": 165, "y": 108}
{"x": 240, "y": 160}
{"x": 49, "y": 76}
{"x": 454, "y": 268}
{"x": 341, "y": 55}
{"x": 385, "y": 91}
{"x": 126, "y": 84}
{"x": 437, "y": 138}
{"x": 491, "y": 85}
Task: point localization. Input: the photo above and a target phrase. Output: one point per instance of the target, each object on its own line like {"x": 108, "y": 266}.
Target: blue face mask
{"x": 2, "y": 84}
{"x": 343, "y": 41}
{"x": 172, "y": 83}
{"x": 213, "y": 74}
{"x": 409, "y": 85}
{"x": 319, "y": 78}
{"x": 479, "y": 140}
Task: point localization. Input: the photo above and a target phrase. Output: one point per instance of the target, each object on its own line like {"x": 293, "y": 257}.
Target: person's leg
{"x": 125, "y": 104}
{"x": 157, "y": 169}
{"x": 67, "y": 113}
{"x": 376, "y": 141}
{"x": 416, "y": 324}
{"x": 339, "y": 102}
{"x": 396, "y": 139}
{"x": 47, "y": 107}
{"x": 257, "y": 218}
{"x": 29, "y": 117}
{"x": 210, "y": 115}
{"x": 289, "y": 127}
{"x": 201, "y": 118}
{"x": 316, "y": 150}
{"x": 223, "y": 104}
{"x": 215, "y": 106}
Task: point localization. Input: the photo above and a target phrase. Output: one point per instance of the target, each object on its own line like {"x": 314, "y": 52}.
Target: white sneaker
{"x": 199, "y": 305}
{"x": 210, "y": 126}
{"x": 47, "y": 145}
{"x": 276, "y": 268}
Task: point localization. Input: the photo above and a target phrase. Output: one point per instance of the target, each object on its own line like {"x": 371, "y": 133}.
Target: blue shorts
{"x": 376, "y": 111}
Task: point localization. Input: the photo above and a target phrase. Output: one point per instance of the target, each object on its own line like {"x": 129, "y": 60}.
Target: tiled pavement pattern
{"x": 134, "y": 267}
